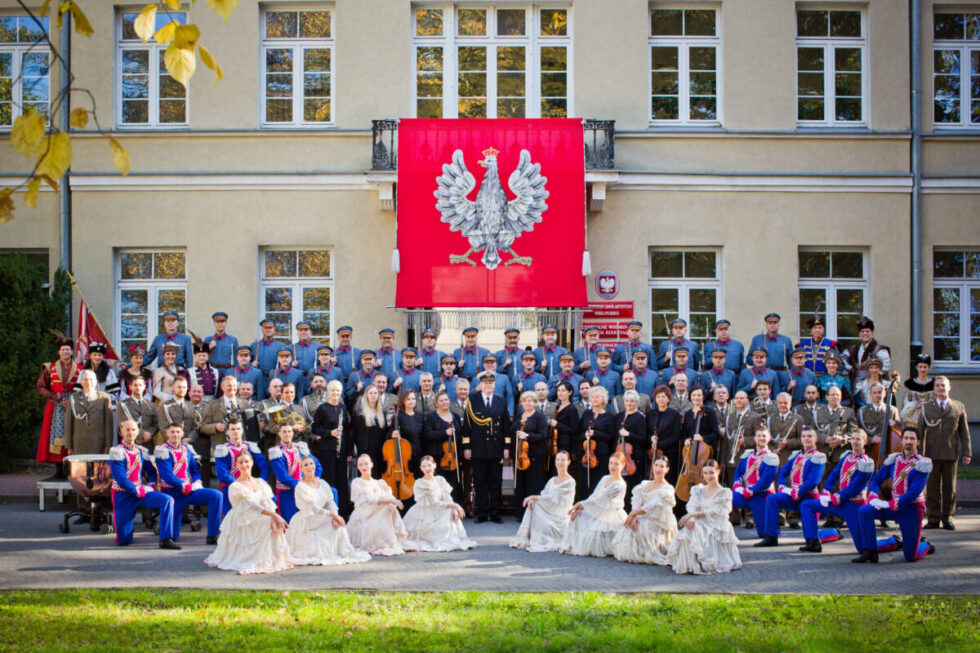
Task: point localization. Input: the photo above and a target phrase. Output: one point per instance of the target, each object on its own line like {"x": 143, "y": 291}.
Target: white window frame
{"x": 831, "y": 285}
{"x": 965, "y": 47}
{"x": 683, "y": 45}
{"x": 154, "y": 65}
{"x": 533, "y": 41}
{"x": 684, "y": 285}
{"x": 298, "y": 45}
{"x": 964, "y": 286}
{"x": 829, "y": 44}
{"x": 17, "y": 50}
{"x": 297, "y": 285}
{"x": 153, "y": 287}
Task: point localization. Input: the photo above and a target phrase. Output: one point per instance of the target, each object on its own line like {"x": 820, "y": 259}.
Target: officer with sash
{"x": 777, "y": 346}
{"x": 548, "y": 353}
{"x": 678, "y": 340}
{"x": 180, "y": 477}
{"x": 304, "y": 349}
{"x": 226, "y": 453}
{"x": 348, "y": 356}
{"x": 470, "y": 355}
{"x": 753, "y": 478}
{"x": 430, "y": 359}
{"x": 222, "y": 346}
{"x": 486, "y": 439}
{"x": 182, "y": 340}
{"x": 502, "y": 386}
{"x": 798, "y": 481}
{"x": 245, "y": 372}
{"x": 265, "y": 350}
{"x": 817, "y": 347}
{"x": 622, "y": 358}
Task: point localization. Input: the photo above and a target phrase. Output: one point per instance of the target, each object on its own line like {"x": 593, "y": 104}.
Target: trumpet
{"x": 733, "y": 444}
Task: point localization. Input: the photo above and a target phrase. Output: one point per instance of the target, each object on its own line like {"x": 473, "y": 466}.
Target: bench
{"x": 60, "y": 486}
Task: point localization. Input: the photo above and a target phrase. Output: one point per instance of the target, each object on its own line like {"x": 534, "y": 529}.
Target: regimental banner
{"x": 89, "y": 331}
{"x": 611, "y": 318}
{"x": 491, "y": 213}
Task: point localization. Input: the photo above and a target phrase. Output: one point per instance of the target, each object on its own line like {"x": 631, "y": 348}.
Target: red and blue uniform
{"x": 514, "y": 356}
{"x": 130, "y": 494}
{"x": 225, "y": 349}
{"x": 693, "y": 359}
{"x": 846, "y": 490}
{"x": 668, "y": 373}
{"x": 528, "y": 381}
{"x": 411, "y": 380}
{"x": 387, "y": 360}
{"x": 266, "y": 353}
{"x": 734, "y": 353}
{"x": 798, "y": 481}
{"x": 348, "y": 360}
{"x": 180, "y": 478}
{"x": 431, "y": 361}
{"x": 304, "y": 353}
{"x": 646, "y": 380}
{"x": 906, "y": 507}
{"x": 587, "y": 353}
{"x": 754, "y": 476}
{"x": 224, "y": 463}
{"x": 779, "y": 348}
{"x": 285, "y": 465}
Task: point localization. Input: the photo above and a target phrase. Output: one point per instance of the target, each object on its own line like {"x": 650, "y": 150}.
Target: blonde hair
{"x": 371, "y": 415}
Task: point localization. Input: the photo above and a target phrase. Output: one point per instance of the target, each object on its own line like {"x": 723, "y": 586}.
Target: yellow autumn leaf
{"x": 209, "y": 61}
{"x": 223, "y": 8}
{"x": 145, "y": 23}
{"x": 33, "y": 188}
{"x": 6, "y": 206}
{"x": 180, "y": 62}
{"x": 50, "y": 182}
{"x": 120, "y": 157}
{"x": 173, "y": 5}
{"x": 63, "y": 8}
{"x": 44, "y": 8}
{"x": 58, "y": 156}
{"x": 82, "y": 26}
{"x": 166, "y": 33}
{"x": 27, "y": 134}
{"x": 78, "y": 118}
{"x": 186, "y": 36}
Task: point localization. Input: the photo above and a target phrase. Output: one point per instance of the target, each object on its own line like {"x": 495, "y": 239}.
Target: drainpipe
{"x": 64, "y": 191}
{"x": 915, "y": 43}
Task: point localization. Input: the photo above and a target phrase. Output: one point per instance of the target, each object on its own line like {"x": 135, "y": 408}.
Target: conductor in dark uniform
{"x": 486, "y": 439}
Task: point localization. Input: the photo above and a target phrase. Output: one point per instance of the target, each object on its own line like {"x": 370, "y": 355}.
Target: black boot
{"x": 212, "y": 539}
{"x": 767, "y": 540}
{"x": 812, "y": 546}
{"x": 169, "y": 544}
{"x": 867, "y": 556}
{"x": 932, "y": 547}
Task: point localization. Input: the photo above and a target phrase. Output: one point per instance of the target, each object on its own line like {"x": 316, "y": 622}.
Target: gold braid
{"x": 479, "y": 421}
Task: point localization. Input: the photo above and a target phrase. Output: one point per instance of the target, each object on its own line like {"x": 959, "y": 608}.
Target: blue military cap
{"x": 219, "y": 314}
{"x": 489, "y": 357}
{"x": 635, "y": 323}
{"x": 447, "y": 359}
{"x": 590, "y": 328}
{"x": 719, "y": 352}
{"x": 603, "y": 352}
{"x": 528, "y": 354}
{"x": 773, "y": 316}
{"x": 799, "y": 349}
{"x": 512, "y": 330}
{"x": 172, "y": 314}
{"x": 324, "y": 348}
{"x": 243, "y": 348}
{"x": 548, "y": 327}
{"x": 345, "y": 328}
{"x": 409, "y": 350}
{"x": 429, "y": 332}
{"x": 386, "y": 330}
{"x": 267, "y": 320}
{"x": 367, "y": 353}
{"x": 759, "y": 350}
{"x": 285, "y": 351}
{"x": 721, "y": 322}
{"x": 680, "y": 321}
{"x": 304, "y": 323}
{"x": 470, "y": 329}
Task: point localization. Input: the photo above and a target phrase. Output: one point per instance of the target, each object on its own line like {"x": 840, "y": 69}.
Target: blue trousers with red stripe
{"x": 909, "y": 520}
{"x": 810, "y": 508}
{"x": 775, "y": 503}
{"x": 125, "y": 505}
{"x": 757, "y": 504}
{"x": 202, "y": 497}
{"x": 286, "y": 500}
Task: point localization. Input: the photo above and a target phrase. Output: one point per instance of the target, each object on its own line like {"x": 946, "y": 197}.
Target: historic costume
{"x": 430, "y": 524}
{"x": 753, "y": 480}
{"x": 284, "y": 460}
{"x": 945, "y": 440}
{"x": 313, "y": 538}
{"x": 845, "y": 490}
{"x": 180, "y": 477}
{"x": 130, "y": 493}
{"x": 545, "y": 524}
{"x": 225, "y": 455}
{"x": 89, "y": 423}
{"x": 711, "y": 546}
{"x": 798, "y": 481}
{"x": 907, "y": 507}
{"x": 248, "y": 544}
{"x": 655, "y": 528}
{"x": 55, "y": 383}
{"x": 602, "y": 516}
{"x": 375, "y": 527}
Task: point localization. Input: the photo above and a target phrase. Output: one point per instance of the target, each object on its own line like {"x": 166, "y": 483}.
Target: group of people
{"x": 469, "y": 414}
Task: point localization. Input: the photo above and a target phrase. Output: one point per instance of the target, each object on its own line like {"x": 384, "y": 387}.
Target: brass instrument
{"x": 733, "y": 443}
{"x": 278, "y": 415}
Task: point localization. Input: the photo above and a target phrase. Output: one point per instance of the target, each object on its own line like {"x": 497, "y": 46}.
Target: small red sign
{"x": 608, "y": 311}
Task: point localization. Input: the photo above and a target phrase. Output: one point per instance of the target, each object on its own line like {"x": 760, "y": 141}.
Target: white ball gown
{"x": 374, "y": 527}
{"x": 545, "y": 522}
{"x": 711, "y": 546}
{"x": 429, "y": 522}
{"x": 312, "y": 538}
{"x": 655, "y": 528}
{"x": 247, "y": 543}
{"x": 602, "y": 516}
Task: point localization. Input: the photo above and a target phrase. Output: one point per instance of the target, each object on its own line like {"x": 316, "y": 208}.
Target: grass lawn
{"x": 178, "y": 620}
{"x": 967, "y": 473}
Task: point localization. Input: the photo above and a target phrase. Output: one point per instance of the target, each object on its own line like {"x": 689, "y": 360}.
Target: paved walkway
{"x": 34, "y": 555}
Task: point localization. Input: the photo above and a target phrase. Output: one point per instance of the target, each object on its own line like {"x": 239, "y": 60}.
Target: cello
{"x": 396, "y": 451}
{"x": 695, "y": 455}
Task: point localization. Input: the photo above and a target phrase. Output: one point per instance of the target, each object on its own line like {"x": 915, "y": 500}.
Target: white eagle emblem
{"x": 491, "y": 222}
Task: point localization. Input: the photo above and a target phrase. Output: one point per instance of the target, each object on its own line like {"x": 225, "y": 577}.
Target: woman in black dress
{"x": 371, "y": 429}
{"x": 664, "y": 426}
{"x": 529, "y": 425}
{"x": 599, "y": 426}
{"x": 442, "y": 426}
{"x": 632, "y": 430}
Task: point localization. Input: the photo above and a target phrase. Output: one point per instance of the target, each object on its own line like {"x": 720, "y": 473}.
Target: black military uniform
{"x": 486, "y": 435}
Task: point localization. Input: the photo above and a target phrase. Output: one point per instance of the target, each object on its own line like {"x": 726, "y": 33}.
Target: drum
{"x": 89, "y": 474}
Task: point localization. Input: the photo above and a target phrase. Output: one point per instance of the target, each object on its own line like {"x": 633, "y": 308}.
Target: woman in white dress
{"x": 253, "y": 539}
{"x": 434, "y": 523}
{"x": 375, "y": 525}
{"x": 651, "y": 525}
{"x": 545, "y": 522}
{"x": 316, "y": 534}
{"x": 706, "y": 542}
{"x": 595, "y": 521}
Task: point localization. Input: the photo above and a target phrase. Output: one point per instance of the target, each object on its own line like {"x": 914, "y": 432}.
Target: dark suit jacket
{"x": 490, "y": 440}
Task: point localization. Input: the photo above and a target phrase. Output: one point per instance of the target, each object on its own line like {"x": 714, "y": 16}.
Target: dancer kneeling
{"x": 253, "y": 537}
{"x": 316, "y": 534}
{"x": 651, "y": 525}
{"x": 434, "y": 523}
{"x": 706, "y": 542}
{"x": 375, "y": 525}
{"x": 596, "y": 520}
{"x": 545, "y": 522}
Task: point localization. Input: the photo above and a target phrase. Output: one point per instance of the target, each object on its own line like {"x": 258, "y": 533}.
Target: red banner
{"x": 491, "y": 213}
{"x": 89, "y": 331}
{"x": 608, "y": 311}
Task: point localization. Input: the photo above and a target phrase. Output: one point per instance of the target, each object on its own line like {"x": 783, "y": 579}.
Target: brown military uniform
{"x": 142, "y": 412}
{"x": 89, "y": 424}
{"x": 945, "y": 438}
{"x": 786, "y": 429}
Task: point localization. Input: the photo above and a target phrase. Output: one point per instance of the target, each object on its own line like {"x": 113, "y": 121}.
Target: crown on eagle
{"x": 491, "y": 151}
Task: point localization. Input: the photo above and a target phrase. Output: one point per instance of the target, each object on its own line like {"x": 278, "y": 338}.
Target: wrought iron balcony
{"x": 600, "y": 144}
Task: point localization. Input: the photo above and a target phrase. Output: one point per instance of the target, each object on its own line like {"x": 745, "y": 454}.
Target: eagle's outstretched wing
{"x": 453, "y": 185}
{"x": 527, "y": 184}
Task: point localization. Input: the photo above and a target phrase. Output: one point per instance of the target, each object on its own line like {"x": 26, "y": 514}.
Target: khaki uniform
{"x": 89, "y": 424}
{"x": 142, "y": 412}
{"x": 945, "y": 437}
{"x": 786, "y": 429}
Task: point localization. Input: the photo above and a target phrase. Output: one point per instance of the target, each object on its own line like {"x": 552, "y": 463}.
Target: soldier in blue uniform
{"x": 798, "y": 481}
{"x": 226, "y": 453}
{"x": 470, "y": 355}
{"x": 646, "y": 378}
{"x": 777, "y": 346}
{"x": 127, "y": 462}
{"x": 718, "y": 374}
{"x": 679, "y": 368}
{"x": 622, "y": 358}
{"x": 325, "y": 366}
{"x": 180, "y": 477}
{"x": 796, "y": 379}
{"x": 182, "y": 340}
{"x": 753, "y": 478}
{"x": 348, "y": 356}
{"x": 509, "y": 358}
{"x": 585, "y": 356}
{"x": 502, "y": 387}
{"x": 816, "y": 347}
{"x": 528, "y": 377}
{"x": 361, "y": 378}
{"x": 548, "y": 353}
{"x": 245, "y": 372}
{"x": 288, "y": 374}
{"x": 604, "y": 375}
{"x": 223, "y": 347}
{"x": 407, "y": 375}
{"x": 678, "y": 340}
{"x": 387, "y": 358}
{"x": 430, "y": 359}
{"x": 566, "y": 362}
{"x": 750, "y": 376}
{"x": 447, "y": 379}
{"x": 265, "y": 350}
{"x": 734, "y": 351}
{"x": 304, "y": 349}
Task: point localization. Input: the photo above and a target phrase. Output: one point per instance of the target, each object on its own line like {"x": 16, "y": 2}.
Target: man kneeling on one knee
{"x": 798, "y": 480}
{"x": 180, "y": 478}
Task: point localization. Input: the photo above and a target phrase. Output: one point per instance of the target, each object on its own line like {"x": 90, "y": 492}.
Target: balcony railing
{"x": 600, "y": 144}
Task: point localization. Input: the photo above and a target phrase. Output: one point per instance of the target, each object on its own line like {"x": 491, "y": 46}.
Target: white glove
{"x": 824, "y": 500}
{"x": 196, "y": 485}
{"x": 740, "y": 491}
{"x": 879, "y": 504}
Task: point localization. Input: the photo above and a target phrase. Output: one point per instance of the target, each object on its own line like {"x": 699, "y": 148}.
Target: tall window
{"x": 24, "y": 78}
{"x": 833, "y": 283}
{"x": 297, "y": 55}
{"x": 492, "y": 62}
{"x": 830, "y": 64}
{"x": 685, "y": 284}
{"x": 297, "y": 285}
{"x": 684, "y": 75}
{"x": 956, "y": 70}
{"x": 147, "y": 95}
{"x": 956, "y": 307}
{"x": 147, "y": 284}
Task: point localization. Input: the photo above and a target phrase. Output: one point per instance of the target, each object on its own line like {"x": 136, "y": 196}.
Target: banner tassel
{"x": 586, "y": 264}
{"x": 396, "y": 262}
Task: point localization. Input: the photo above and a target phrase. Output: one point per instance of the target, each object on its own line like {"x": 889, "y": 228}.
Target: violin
{"x": 449, "y": 460}
{"x": 523, "y": 459}
{"x": 651, "y": 454}
{"x": 626, "y": 449}
{"x": 554, "y": 442}
{"x": 396, "y": 451}
{"x": 589, "y": 459}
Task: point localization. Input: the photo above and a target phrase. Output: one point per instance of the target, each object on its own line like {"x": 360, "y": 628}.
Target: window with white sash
{"x": 296, "y": 285}
{"x": 834, "y": 283}
{"x": 25, "y": 81}
{"x": 686, "y": 284}
{"x": 831, "y": 60}
{"x": 146, "y": 94}
{"x": 148, "y": 282}
{"x": 685, "y": 66}
{"x": 297, "y": 66}
{"x": 956, "y": 69}
{"x": 956, "y": 307}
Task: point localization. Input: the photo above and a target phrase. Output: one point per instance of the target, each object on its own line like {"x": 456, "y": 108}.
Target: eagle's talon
{"x": 520, "y": 260}
{"x": 455, "y": 259}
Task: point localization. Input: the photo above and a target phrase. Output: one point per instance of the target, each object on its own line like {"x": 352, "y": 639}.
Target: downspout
{"x": 915, "y": 41}
{"x": 64, "y": 191}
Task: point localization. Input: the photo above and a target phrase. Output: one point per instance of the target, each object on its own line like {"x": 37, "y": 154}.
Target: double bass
{"x": 396, "y": 452}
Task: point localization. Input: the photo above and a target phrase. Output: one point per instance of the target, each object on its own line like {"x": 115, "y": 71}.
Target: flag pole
{"x": 74, "y": 284}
